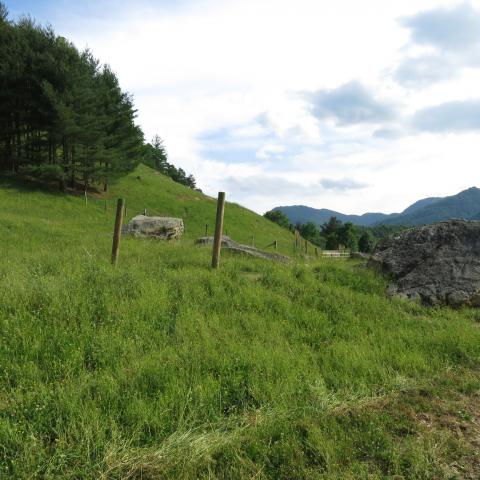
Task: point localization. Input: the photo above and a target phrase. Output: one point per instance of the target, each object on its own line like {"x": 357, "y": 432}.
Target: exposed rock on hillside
{"x": 229, "y": 244}
{"x": 437, "y": 264}
{"x": 163, "y": 228}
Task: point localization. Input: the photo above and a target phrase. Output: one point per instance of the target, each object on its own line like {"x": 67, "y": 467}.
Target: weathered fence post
{"x": 206, "y": 229}
{"x": 275, "y": 245}
{"x": 306, "y": 246}
{"x": 118, "y": 230}
{"x": 145, "y": 211}
{"x": 86, "y": 197}
{"x": 217, "y": 241}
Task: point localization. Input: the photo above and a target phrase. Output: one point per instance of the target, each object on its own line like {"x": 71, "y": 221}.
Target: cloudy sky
{"x": 348, "y": 105}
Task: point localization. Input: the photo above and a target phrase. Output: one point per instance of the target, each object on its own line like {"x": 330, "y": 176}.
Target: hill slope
{"x": 302, "y": 214}
{"x": 143, "y": 189}
{"x": 425, "y": 202}
{"x": 148, "y": 189}
{"x": 163, "y": 368}
{"x": 462, "y": 205}
{"x": 428, "y": 210}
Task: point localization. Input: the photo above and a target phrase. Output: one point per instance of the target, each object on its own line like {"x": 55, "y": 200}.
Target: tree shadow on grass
{"x": 26, "y": 184}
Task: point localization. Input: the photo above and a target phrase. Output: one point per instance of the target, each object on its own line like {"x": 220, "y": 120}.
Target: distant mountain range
{"x": 465, "y": 204}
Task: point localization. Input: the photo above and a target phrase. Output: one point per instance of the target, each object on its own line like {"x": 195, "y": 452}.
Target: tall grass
{"x": 163, "y": 368}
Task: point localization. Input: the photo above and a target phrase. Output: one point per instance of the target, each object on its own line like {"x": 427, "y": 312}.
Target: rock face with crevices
{"x": 436, "y": 264}
{"x": 229, "y": 244}
{"x": 162, "y": 228}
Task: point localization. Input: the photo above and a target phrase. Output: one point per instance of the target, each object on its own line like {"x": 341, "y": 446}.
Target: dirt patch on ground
{"x": 459, "y": 416}
{"x": 433, "y": 415}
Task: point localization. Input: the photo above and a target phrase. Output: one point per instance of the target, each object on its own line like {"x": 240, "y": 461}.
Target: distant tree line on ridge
{"x": 334, "y": 234}
{"x": 155, "y": 156}
{"x": 63, "y": 116}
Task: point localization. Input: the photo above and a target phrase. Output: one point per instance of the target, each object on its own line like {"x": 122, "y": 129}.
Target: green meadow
{"x": 161, "y": 368}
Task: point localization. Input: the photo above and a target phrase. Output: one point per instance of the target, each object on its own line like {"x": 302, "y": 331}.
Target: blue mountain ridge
{"x": 465, "y": 204}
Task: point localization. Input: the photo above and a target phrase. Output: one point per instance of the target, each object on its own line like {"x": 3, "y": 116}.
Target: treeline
{"x": 63, "y": 115}
{"x": 155, "y": 156}
{"x": 334, "y": 234}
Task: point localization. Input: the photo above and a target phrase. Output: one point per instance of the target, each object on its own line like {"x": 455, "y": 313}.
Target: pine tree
{"x": 3, "y": 12}
{"x": 63, "y": 116}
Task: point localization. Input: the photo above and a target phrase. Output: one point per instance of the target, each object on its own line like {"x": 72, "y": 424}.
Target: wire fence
{"x": 299, "y": 247}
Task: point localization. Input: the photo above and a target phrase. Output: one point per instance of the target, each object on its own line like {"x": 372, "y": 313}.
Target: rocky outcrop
{"x": 436, "y": 264}
{"x": 227, "y": 242}
{"x": 231, "y": 245}
{"x": 162, "y": 228}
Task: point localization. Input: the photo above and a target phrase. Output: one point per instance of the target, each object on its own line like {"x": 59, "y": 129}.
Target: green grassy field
{"x": 163, "y": 368}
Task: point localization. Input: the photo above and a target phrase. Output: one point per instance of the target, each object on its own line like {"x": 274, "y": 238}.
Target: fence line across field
{"x": 335, "y": 254}
{"x": 297, "y": 237}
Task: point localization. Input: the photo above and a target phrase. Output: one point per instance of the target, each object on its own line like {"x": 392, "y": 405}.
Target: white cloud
{"x": 268, "y": 150}
{"x": 238, "y": 69}
{"x": 444, "y": 40}
{"x": 350, "y": 104}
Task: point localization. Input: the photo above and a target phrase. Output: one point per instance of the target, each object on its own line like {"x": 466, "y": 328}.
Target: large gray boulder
{"x": 233, "y": 246}
{"x": 436, "y": 264}
{"x": 163, "y": 228}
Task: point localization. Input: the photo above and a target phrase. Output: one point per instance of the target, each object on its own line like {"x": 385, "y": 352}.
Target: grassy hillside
{"x": 146, "y": 188}
{"x": 163, "y": 368}
{"x": 68, "y": 216}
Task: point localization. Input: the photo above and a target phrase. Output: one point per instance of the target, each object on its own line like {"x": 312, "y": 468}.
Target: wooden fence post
{"x": 206, "y": 229}
{"x": 306, "y": 246}
{"x": 275, "y": 245}
{"x": 118, "y": 230}
{"x": 217, "y": 241}
{"x": 86, "y": 198}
